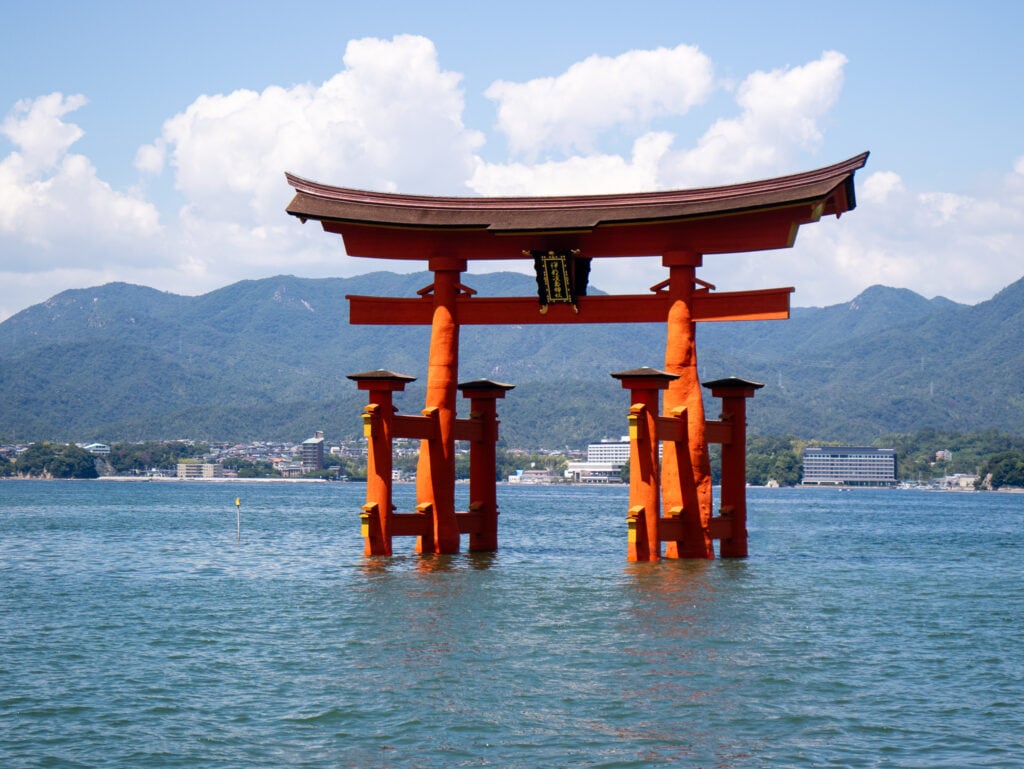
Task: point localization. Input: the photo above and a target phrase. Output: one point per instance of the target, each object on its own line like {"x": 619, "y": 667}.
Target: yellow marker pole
{"x": 238, "y": 512}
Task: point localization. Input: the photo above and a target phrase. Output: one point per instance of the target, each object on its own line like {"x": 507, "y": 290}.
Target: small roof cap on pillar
{"x": 476, "y": 385}
{"x": 381, "y": 379}
{"x": 381, "y": 373}
{"x": 654, "y": 377}
{"x": 733, "y": 385}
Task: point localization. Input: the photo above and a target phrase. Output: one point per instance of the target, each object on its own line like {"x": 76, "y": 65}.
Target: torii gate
{"x": 560, "y": 235}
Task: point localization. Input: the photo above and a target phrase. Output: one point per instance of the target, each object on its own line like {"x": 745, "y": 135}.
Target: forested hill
{"x": 267, "y": 359}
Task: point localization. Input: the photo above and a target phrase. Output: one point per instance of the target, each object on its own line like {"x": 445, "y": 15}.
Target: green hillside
{"x": 267, "y": 359}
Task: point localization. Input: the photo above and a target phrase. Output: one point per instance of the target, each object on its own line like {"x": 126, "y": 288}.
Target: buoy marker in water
{"x": 238, "y": 512}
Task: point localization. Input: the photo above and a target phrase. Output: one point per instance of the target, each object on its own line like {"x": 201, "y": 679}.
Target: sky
{"x": 148, "y": 142}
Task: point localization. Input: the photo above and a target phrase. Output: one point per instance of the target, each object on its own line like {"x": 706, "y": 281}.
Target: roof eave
{"x": 831, "y": 187}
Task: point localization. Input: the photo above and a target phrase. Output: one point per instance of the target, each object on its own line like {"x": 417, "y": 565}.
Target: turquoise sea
{"x": 867, "y": 629}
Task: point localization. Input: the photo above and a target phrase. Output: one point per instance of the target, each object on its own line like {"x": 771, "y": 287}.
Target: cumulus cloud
{"x": 570, "y": 111}
{"x": 392, "y": 119}
{"x": 878, "y": 187}
{"x": 595, "y": 174}
{"x": 778, "y": 125}
{"x": 54, "y": 210}
{"x": 935, "y": 243}
{"x": 36, "y": 127}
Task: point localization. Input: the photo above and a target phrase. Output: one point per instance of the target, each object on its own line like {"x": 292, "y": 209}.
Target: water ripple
{"x": 872, "y": 629}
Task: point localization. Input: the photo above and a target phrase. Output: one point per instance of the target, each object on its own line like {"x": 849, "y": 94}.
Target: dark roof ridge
{"x": 591, "y": 201}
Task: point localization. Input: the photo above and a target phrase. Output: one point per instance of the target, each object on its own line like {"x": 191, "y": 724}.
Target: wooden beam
{"x": 764, "y": 304}
{"x": 469, "y": 522}
{"x": 717, "y": 432}
{"x": 721, "y": 527}
{"x": 411, "y": 524}
{"x": 408, "y": 426}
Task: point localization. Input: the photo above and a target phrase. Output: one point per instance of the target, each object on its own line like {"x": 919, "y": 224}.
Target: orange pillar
{"x": 483, "y": 460}
{"x": 681, "y": 360}
{"x": 644, "y": 513}
{"x": 377, "y": 428}
{"x": 734, "y": 393}
{"x": 435, "y": 475}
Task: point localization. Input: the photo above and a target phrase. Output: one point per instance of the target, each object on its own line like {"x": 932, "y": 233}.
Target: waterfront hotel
{"x": 849, "y": 466}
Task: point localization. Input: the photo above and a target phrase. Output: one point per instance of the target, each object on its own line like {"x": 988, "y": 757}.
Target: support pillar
{"x": 378, "y": 420}
{"x": 483, "y": 460}
{"x": 734, "y": 393}
{"x": 644, "y": 384}
{"x": 684, "y": 392}
{"x": 435, "y": 475}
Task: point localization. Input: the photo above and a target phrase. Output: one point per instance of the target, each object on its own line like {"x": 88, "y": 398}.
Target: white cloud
{"x": 570, "y": 111}
{"x": 594, "y": 174}
{"x": 778, "y": 125}
{"x": 149, "y": 159}
{"x": 934, "y": 243}
{"x": 36, "y": 128}
{"x": 392, "y": 119}
{"x": 54, "y": 210}
{"x": 879, "y": 186}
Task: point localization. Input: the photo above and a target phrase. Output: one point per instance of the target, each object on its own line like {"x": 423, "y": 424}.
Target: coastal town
{"x": 316, "y": 459}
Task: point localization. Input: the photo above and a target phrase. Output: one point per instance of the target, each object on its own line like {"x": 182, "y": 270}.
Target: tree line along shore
{"x": 994, "y": 458}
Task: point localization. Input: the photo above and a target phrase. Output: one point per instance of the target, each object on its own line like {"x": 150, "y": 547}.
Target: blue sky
{"x": 147, "y": 142}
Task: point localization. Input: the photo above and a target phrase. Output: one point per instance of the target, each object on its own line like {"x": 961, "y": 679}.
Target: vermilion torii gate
{"x": 561, "y": 235}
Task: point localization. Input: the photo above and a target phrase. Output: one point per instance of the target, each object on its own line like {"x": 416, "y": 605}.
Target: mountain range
{"x": 267, "y": 360}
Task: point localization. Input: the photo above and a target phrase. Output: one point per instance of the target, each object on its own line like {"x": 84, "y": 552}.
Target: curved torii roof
{"x": 740, "y": 217}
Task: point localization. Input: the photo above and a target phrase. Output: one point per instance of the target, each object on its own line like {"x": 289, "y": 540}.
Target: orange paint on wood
{"x": 435, "y": 475}
{"x": 688, "y": 488}
{"x": 765, "y": 304}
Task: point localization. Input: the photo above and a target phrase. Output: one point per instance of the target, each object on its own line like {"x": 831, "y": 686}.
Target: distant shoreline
{"x": 164, "y": 479}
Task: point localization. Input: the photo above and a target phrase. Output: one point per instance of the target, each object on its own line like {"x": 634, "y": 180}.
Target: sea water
{"x": 867, "y": 628}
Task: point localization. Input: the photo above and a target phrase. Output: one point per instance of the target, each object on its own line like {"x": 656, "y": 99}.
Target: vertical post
{"x": 435, "y": 474}
{"x": 644, "y": 384}
{"x": 734, "y": 393}
{"x": 377, "y": 428}
{"x": 483, "y": 460}
{"x": 685, "y": 392}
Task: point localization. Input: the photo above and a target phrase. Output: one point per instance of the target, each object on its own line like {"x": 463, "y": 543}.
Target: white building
{"x": 849, "y": 466}
{"x": 604, "y": 464}
{"x": 608, "y": 450}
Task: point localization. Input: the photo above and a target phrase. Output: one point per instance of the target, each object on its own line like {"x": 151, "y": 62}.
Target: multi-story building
{"x": 849, "y": 466}
{"x": 313, "y": 453}
{"x": 604, "y": 464}
{"x": 200, "y": 470}
{"x": 614, "y": 451}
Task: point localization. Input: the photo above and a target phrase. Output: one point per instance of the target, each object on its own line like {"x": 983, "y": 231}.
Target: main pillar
{"x": 435, "y": 473}
{"x": 684, "y": 392}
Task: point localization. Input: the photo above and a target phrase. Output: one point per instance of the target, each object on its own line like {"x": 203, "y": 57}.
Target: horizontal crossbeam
{"x": 422, "y": 524}
{"x": 764, "y": 304}
{"x": 670, "y": 527}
